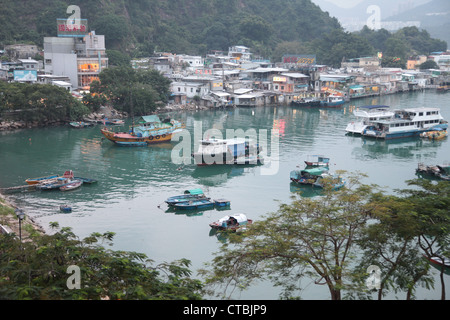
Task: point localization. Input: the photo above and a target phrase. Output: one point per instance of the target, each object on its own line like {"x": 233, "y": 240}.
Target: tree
{"x": 429, "y": 64}
{"x": 314, "y": 237}
{"x": 132, "y": 91}
{"x": 38, "y": 270}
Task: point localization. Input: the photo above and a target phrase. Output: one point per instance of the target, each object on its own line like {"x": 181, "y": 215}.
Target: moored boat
{"x": 72, "y": 185}
{"x": 65, "y": 208}
{"x": 307, "y": 176}
{"x": 317, "y": 161}
{"x": 308, "y": 102}
{"x": 34, "y": 181}
{"x": 365, "y": 115}
{"x": 188, "y": 195}
{"x": 150, "y": 130}
{"x": 434, "y": 135}
{"x": 407, "y": 123}
{"x": 80, "y": 124}
{"x": 332, "y": 101}
{"x": 195, "y": 204}
{"x": 231, "y": 222}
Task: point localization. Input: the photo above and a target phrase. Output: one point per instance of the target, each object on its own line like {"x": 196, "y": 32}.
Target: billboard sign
{"x": 72, "y": 27}
{"x": 302, "y": 59}
{"x": 25, "y": 75}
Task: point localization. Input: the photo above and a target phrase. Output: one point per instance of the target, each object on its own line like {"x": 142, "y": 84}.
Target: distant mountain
{"x": 355, "y": 17}
{"x": 433, "y": 17}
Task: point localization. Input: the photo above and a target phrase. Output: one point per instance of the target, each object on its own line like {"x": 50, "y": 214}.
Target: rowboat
{"x": 80, "y": 124}
{"x": 195, "y": 204}
{"x": 34, "y": 181}
{"x": 188, "y": 195}
{"x": 75, "y": 184}
{"x": 317, "y": 161}
{"x": 434, "y": 135}
{"x": 231, "y": 222}
{"x": 222, "y": 203}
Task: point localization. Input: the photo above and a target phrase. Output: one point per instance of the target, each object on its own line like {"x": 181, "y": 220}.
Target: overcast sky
{"x": 345, "y": 3}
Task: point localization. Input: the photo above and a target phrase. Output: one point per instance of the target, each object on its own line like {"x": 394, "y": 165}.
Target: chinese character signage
{"x": 300, "y": 59}
{"x": 72, "y": 27}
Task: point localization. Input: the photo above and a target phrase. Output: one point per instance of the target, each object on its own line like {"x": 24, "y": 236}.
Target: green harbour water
{"x": 134, "y": 182}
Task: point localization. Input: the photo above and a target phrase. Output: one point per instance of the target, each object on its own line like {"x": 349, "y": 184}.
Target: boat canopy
{"x": 151, "y": 118}
{"x": 194, "y": 191}
{"x": 240, "y": 218}
{"x": 375, "y": 107}
{"x": 315, "y": 171}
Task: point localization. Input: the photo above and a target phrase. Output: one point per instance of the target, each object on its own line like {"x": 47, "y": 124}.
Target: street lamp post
{"x": 21, "y": 215}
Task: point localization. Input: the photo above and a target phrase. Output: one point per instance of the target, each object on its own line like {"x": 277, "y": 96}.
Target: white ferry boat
{"x": 407, "y": 123}
{"x": 365, "y": 115}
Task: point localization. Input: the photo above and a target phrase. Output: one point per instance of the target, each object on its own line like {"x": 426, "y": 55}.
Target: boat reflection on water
{"x": 218, "y": 174}
{"x": 305, "y": 191}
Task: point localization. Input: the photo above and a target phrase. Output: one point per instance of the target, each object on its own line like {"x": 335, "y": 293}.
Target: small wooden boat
{"x": 232, "y": 222}
{"x": 75, "y": 184}
{"x": 189, "y": 195}
{"x": 80, "y": 124}
{"x": 317, "y": 161}
{"x": 34, "y": 181}
{"x": 434, "y": 135}
{"x": 195, "y": 204}
{"x": 221, "y": 203}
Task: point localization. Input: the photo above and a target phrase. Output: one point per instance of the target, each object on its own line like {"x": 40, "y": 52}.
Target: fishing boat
{"x": 188, "y": 195}
{"x": 309, "y": 102}
{"x": 335, "y": 181}
{"x": 195, "y": 204}
{"x": 332, "y": 101}
{"x": 307, "y": 176}
{"x": 34, "y": 181}
{"x": 435, "y": 171}
{"x": 227, "y": 151}
{"x": 72, "y": 185}
{"x": 434, "y": 135}
{"x": 231, "y": 222}
{"x": 365, "y": 115}
{"x": 317, "y": 161}
{"x": 407, "y": 123}
{"x": 150, "y": 130}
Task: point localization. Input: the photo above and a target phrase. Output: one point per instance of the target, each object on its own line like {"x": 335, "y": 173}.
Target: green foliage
{"x": 39, "y": 103}
{"x": 37, "y": 270}
{"x": 336, "y": 237}
{"x": 129, "y": 90}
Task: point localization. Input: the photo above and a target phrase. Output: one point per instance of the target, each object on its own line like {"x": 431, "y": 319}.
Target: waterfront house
{"x": 290, "y": 83}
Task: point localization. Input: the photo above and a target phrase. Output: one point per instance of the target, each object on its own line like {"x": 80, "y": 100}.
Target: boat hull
{"x": 126, "y": 139}
{"x": 34, "y": 181}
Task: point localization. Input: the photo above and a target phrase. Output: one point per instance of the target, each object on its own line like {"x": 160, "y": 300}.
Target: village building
{"x": 81, "y": 58}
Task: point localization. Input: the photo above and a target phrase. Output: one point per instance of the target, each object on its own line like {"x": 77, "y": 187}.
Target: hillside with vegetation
{"x": 271, "y": 28}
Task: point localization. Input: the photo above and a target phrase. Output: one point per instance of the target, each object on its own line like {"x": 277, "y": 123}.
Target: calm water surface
{"x": 134, "y": 182}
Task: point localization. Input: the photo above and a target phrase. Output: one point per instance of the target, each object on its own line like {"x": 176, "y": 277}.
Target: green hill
{"x": 179, "y": 26}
